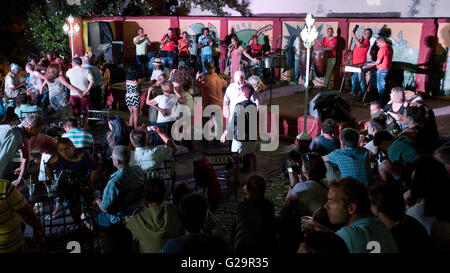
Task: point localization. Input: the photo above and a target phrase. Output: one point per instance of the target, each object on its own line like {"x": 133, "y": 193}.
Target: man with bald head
{"x": 233, "y": 95}
{"x": 96, "y": 90}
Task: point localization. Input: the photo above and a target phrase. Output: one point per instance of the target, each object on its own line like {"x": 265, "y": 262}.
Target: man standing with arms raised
{"x": 359, "y": 57}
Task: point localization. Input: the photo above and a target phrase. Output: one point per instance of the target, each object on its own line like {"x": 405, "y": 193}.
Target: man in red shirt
{"x": 384, "y": 65}
{"x": 169, "y": 44}
{"x": 329, "y": 44}
{"x": 359, "y": 57}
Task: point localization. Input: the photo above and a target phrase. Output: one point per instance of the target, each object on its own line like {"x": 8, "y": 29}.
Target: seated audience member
{"x": 25, "y": 108}
{"x": 158, "y": 69}
{"x": 80, "y": 139}
{"x": 117, "y": 239}
{"x": 421, "y": 127}
{"x": 307, "y": 190}
{"x": 152, "y": 92}
{"x": 16, "y": 138}
{"x": 14, "y": 209}
{"x": 150, "y": 158}
{"x": 400, "y": 152}
{"x": 254, "y": 229}
{"x": 397, "y": 105}
{"x": 349, "y": 206}
{"x": 124, "y": 192}
{"x": 391, "y": 125}
{"x": 118, "y": 134}
{"x": 376, "y": 124}
{"x": 388, "y": 205}
{"x": 242, "y": 142}
{"x": 192, "y": 212}
{"x": 323, "y": 242}
{"x": 165, "y": 105}
{"x": 10, "y": 118}
{"x": 443, "y": 155}
{"x": 428, "y": 201}
{"x": 153, "y": 226}
{"x": 212, "y": 224}
{"x": 328, "y": 140}
{"x": 77, "y": 172}
{"x": 352, "y": 161}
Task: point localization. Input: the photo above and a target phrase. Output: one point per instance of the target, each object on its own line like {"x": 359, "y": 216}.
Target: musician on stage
{"x": 141, "y": 41}
{"x": 184, "y": 51}
{"x": 384, "y": 65}
{"x": 360, "y": 57}
{"x": 169, "y": 44}
{"x": 328, "y": 44}
{"x": 256, "y": 51}
{"x": 205, "y": 43}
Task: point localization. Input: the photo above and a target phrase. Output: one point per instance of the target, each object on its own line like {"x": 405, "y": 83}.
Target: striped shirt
{"x": 79, "y": 138}
{"x": 11, "y": 200}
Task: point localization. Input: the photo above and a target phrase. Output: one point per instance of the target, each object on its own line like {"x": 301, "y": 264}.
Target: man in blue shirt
{"x": 352, "y": 161}
{"x": 124, "y": 192}
{"x": 348, "y": 205}
{"x": 205, "y": 43}
{"x": 24, "y": 108}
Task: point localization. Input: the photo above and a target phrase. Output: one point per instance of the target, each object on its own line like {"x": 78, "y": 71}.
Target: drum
{"x": 267, "y": 62}
{"x": 252, "y": 63}
{"x": 276, "y": 60}
{"x": 320, "y": 62}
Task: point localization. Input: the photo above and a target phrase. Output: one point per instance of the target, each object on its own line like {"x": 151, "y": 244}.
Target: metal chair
{"x": 24, "y": 114}
{"x": 166, "y": 173}
{"x": 226, "y": 166}
{"x": 98, "y": 120}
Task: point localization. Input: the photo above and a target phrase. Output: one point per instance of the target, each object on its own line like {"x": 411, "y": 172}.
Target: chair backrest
{"x": 166, "y": 173}
{"x": 100, "y": 115}
{"x": 24, "y": 114}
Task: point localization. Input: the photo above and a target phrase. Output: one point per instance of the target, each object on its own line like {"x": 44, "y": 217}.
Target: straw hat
{"x": 157, "y": 61}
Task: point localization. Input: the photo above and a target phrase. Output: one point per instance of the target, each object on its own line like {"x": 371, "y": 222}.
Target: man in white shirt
{"x": 141, "y": 41}
{"x": 83, "y": 81}
{"x": 296, "y": 61}
{"x": 233, "y": 95}
{"x": 96, "y": 90}
{"x": 150, "y": 157}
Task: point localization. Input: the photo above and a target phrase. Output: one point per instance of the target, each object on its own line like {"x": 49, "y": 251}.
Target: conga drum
{"x": 320, "y": 62}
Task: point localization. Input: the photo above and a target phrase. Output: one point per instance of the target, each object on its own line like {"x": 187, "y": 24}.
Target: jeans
{"x": 205, "y": 60}
{"x": 42, "y": 101}
{"x": 382, "y": 85}
{"x": 168, "y": 62}
{"x": 141, "y": 60}
{"x": 361, "y": 77}
{"x": 186, "y": 61}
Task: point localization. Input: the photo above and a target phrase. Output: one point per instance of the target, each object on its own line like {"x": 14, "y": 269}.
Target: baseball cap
{"x": 121, "y": 152}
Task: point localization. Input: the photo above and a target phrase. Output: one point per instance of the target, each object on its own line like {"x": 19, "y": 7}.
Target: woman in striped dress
{"x": 132, "y": 95}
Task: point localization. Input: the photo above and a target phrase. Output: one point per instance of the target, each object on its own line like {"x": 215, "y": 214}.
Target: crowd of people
{"x": 379, "y": 187}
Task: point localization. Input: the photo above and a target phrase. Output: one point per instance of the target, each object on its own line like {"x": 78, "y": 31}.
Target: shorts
{"x": 80, "y": 105}
{"x": 243, "y": 147}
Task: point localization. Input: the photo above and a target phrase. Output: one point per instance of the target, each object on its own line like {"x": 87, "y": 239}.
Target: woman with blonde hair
{"x": 397, "y": 105}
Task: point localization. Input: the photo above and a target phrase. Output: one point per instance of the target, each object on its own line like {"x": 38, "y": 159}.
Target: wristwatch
{"x": 291, "y": 187}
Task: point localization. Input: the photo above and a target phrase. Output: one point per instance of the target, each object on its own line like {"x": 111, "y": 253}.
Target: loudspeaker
{"x": 113, "y": 52}
{"x": 99, "y": 33}
{"x": 313, "y": 112}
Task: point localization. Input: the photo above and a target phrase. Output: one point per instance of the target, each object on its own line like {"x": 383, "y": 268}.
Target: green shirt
{"x": 152, "y": 227}
{"x": 402, "y": 150}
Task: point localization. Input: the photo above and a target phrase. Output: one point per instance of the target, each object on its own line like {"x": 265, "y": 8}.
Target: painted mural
{"x": 404, "y": 40}
{"x": 291, "y": 30}
{"x": 245, "y": 30}
{"x": 440, "y": 80}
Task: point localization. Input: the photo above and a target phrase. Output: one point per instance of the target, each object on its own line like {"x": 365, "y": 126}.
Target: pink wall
{"x": 414, "y": 34}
